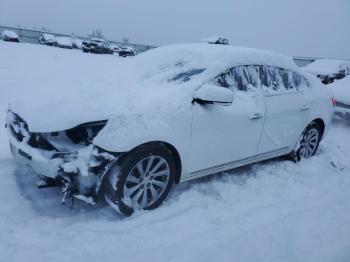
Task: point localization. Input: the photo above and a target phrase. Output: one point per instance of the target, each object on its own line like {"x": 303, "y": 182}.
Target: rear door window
{"x": 269, "y": 78}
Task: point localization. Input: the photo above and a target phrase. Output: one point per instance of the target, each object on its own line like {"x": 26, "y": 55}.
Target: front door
{"x": 223, "y": 134}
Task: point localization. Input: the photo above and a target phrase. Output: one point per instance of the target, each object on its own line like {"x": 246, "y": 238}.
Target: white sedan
{"x": 169, "y": 115}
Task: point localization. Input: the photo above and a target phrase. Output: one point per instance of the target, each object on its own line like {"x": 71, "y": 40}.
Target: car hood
{"x": 45, "y": 110}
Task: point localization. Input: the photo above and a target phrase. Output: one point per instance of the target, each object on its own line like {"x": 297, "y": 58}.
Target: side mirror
{"x": 209, "y": 94}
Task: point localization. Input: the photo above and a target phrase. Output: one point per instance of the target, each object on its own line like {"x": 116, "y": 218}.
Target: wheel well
{"x": 320, "y": 122}
{"x": 176, "y": 155}
{"x": 177, "y": 161}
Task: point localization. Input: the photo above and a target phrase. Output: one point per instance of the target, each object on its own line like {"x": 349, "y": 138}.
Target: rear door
{"x": 287, "y": 109}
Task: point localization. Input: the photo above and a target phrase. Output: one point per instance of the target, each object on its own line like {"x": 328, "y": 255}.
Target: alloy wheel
{"x": 309, "y": 143}
{"x": 147, "y": 181}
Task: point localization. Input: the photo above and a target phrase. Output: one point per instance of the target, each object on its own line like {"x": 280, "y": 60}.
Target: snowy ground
{"x": 273, "y": 211}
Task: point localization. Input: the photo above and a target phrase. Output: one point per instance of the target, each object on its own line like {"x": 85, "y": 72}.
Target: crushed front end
{"x": 67, "y": 159}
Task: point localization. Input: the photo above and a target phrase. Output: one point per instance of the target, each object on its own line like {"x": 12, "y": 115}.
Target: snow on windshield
{"x": 186, "y": 76}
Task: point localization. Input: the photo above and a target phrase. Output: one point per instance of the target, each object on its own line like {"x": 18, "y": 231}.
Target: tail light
{"x": 334, "y": 101}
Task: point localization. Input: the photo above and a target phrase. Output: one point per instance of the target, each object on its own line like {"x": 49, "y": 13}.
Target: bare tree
{"x": 96, "y": 33}
{"x": 43, "y": 28}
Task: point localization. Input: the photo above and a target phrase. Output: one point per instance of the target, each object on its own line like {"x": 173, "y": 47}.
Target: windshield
{"x": 187, "y": 75}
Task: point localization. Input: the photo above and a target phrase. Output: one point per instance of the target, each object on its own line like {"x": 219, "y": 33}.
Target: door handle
{"x": 305, "y": 107}
{"x": 256, "y": 116}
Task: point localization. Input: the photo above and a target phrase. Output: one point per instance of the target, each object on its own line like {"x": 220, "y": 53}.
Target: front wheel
{"x": 309, "y": 141}
{"x": 142, "y": 179}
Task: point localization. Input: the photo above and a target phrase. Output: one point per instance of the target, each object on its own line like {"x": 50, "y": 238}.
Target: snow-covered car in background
{"x": 97, "y": 46}
{"x": 125, "y": 51}
{"x": 216, "y": 40}
{"x": 173, "y": 114}
{"x": 64, "y": 42}
{"x": 329, "y": 70}
{"x": 77, "y": 43}
{"x": 341, "y": 91}
{"x": 47, "y": 39}
{"x": 10, "y": 36}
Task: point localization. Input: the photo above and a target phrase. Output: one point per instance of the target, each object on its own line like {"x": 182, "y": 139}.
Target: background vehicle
{"x": 341, "y": 90}
{"x": 216, "y": 40}
{"x": 125, "y": 51}
{"x": 47, "y": 39}
{"x": 64, "y": 42}
{"x": 97, "y": 46}
{"x": 77, "y": 43}
{"x": 329, "y": 70}
{"x": 175, "y": 114}
{"x": 10, "y": 36}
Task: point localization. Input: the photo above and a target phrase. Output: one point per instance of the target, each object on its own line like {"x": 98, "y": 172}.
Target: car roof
{"x": 205, "y": 53}
{"x": 174, "y": 59}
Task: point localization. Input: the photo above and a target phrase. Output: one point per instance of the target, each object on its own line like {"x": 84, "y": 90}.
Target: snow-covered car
{"x": 47, "y": 39}
{"x": 125, "y": 51}
{"x": 64, "y": 42}
{"x": 97, "y": 46}
{"x": 115, "y": 48}
{"x": 10, "y": 36}
{"x": 216, "y": 40}
{"x": 329, "y": 70}
{"x": 341, "y": 91}
{"x": 172, "y": 114}
{"x": 77, "y": 43}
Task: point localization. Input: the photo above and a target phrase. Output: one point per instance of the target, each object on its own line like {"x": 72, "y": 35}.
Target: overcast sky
{"x": 318, "y": 28}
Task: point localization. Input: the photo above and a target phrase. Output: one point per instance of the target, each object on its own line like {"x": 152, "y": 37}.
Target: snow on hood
{"x": 68, "y": 88}
{"x": 327, "y": 66}
{"x": 341, "y": 89}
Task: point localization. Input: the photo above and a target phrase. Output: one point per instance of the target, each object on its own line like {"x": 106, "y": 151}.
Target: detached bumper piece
{"x": 65, "y": 159}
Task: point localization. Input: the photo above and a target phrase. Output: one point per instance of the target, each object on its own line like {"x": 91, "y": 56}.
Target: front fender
{"x": 124, "y": 133}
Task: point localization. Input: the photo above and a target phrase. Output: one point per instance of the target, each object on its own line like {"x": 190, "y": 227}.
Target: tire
{"x": 148, "y": 168}
{"x": 309, "y": 142}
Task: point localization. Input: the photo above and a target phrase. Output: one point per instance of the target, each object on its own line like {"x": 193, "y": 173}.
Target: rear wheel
{"x": 142, "y": 179}
{"x": 309, "y": 142}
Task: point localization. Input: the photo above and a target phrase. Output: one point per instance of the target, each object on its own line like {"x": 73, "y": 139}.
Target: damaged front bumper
{"x": 67, "y": 158}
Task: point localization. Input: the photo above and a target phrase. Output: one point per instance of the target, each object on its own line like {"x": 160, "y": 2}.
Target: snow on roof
{"x": 9, "y": 33}
{"x": 164, "y": 62}
{"x": 327, "y": 66}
